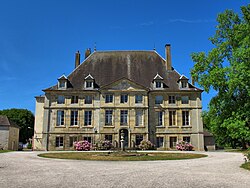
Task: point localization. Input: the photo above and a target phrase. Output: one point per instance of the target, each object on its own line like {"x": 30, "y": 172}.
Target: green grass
{"x": 246, "y": 166}
{"x": 5, "y": 151}
{"x": 118, "y": 156}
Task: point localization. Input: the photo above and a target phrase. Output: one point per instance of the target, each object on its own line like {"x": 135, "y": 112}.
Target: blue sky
{"x": 38, "y": 39}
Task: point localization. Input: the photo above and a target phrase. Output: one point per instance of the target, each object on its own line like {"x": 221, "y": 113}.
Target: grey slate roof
{"x": 4, "y": 121}
{"x": 138, "y": 66}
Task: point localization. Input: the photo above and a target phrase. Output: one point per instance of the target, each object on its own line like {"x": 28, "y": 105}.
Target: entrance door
{"x": 125, "y": 131}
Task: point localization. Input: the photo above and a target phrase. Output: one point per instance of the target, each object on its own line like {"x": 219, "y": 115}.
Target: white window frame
{"x": 124, "y": 117}
{"x": 172, "y": 118}
{"x": 88, "y": 117}
{"x": 185, "y": 118}
{"x": 124, "y": 98}
{"x": 108, "y": 117}
{"x": 74, "y": 117}
{"x": 60, "y": 118}
{"x": 59, "y": 141}
{"x": 139, "y": 118}
{"x": 109, "y": 98}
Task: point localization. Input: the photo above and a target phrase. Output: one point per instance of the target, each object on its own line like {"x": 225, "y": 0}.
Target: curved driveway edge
{"x": 219, "y": 169}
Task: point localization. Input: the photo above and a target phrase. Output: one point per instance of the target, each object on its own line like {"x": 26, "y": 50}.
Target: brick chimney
{"x": 77, "y": 59}
{"x": 168, "y": 57}
{"x": 87, "y": 52}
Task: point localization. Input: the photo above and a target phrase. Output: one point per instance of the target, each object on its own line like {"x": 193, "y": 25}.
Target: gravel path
{"x": 219, "y": 169}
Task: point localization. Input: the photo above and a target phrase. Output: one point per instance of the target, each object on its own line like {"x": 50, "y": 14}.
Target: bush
{"x": 146, "y": 145}
{"x": 103, "y": 145}
{"x": 29, "y": 146}
{"x": 184, "y": 146}
{"x": 82, "y": 145}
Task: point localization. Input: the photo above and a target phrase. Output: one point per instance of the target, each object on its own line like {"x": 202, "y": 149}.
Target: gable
{"x": 124, "y": 85}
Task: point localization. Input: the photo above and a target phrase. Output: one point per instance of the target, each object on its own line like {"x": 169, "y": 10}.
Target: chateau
{"x": 138, "y": 93}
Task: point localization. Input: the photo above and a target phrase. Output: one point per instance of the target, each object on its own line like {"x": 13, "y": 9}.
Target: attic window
{"x": 62, "y": 84}
{"x": 158, "y": 82}
{"x": 183, "y": 84}
{"x": 89, "y": 82}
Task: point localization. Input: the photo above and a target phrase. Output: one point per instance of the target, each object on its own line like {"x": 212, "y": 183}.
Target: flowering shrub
{"x": 103, "y": 145}
{"x": 82, "y": 145}
{"x": 146, "y": 145}
{"x": 184, "y": 146}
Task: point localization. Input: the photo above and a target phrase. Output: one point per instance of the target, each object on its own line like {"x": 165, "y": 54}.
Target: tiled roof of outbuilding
{"x": 4, "y": 121}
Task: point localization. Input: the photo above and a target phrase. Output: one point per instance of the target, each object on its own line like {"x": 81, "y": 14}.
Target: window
{"x": 184, "y": 100}
{"x": 158, "y": 99}
{"x": 60, "y": 118}
{"x": 87, "y": 118}
{"x": 108, "y": 117}
{"x": 185, "y": 118}
{"x": 158, "y": 84}
{"x": 62, "y": 84}
{"x": 183, "y": 84}
{"x": 138, "y": 99}
{"x": 108, "y": 137}
{"x": 108, "y": 98}
{"x": 173, "y": 141}
{"x": 160, "y": 118}
{"x": 74, "y": 117}
{"x": 60, "y": 99}
{"x": 172, "y": 118}
{"x": 124, "y": 98}
{"x": 138, "y": 139}
{"x": 59, "y": 141}
{"x": 171, "y": 99}
{"x": 186, "y": 139}
{"x": 87, "y": 138}
{"x": 72, "y": 139}
{"x": 89, "y": 84}
{"x": 88, "y": 99}
{"x": 124, "y": 117}
{"x": 138, "y": 117}
{"x": 159, "y": 142}
{"x": 74, "y": 99}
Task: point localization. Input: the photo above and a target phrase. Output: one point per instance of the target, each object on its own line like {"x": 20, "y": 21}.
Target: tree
{"x": 24, "y": 119}
{"x": 226, "y": 69}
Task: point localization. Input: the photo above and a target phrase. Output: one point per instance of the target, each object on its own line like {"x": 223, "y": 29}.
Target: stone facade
{"x": 9, "y": 134}
{"x": 164, "y": 110}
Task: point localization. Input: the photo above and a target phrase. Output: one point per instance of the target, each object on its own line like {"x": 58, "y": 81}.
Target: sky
{"x": 39, "y": 38}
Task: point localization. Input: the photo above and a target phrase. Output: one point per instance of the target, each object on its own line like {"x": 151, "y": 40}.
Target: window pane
{"x": 138, "y": 139}
{"x": 158, "y": 99}
{"x": 60, "y": 118}
{"x": 138, "y": 99}
{"x": 123, "y": 117}
{"x": 74, "y": 117}
{"x": 171, "y": 99}
{"x": 159, "y": 142}
{"x": 160, "y": 118}
{"x": 60, "y": 99}
{"x": 59, "y": 141}
{"x": 89, "y": 84}
{"x": 186, "y": 139}
{"x": 158, "y": 84}
{"x": 108, "y": 98}
{"x": 184, "y": 99}
{"x": 87, "y": 138}
{"x": 87, "y": 118}
{"x": 124, "y": 98}
{"x": 185, "y": 118}
{"x": 88, "y": 99}
{"x": 108, "y": 117}
{"x": 172, "y": 118}
{"x": 139, "y": 118}
{"x": 74, "y": 99}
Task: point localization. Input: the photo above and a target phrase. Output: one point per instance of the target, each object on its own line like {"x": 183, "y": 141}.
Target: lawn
{"x": 121, "y": 156}
{"x": 246, "y": 166}
{"x": 4, "y": 151}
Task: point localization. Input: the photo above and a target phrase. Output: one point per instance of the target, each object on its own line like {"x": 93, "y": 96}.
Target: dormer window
{"x": 89, "y": 82}
{"x": 183, "y": 82}
{"x": 157, "y": 83}
{"x": 62, "y": 82}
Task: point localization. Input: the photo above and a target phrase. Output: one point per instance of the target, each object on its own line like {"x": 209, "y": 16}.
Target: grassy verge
{"x": 4, "y": 151}
{"x": 121, "y": 156}
{"x": 246, "y": 166}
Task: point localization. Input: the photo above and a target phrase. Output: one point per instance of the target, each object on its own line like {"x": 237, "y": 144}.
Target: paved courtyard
{"x": 219, "y": 169}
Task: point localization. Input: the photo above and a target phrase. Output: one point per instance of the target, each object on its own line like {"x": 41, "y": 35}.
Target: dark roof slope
{"x": 4, "y": 121}
{"x": 138, "y": 66}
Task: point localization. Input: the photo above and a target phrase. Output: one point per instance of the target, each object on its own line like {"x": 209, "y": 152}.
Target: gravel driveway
{"x": 219, "y": 169}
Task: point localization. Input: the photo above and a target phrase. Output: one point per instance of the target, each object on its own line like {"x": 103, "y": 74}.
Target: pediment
{"x": 125, "y": 84}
